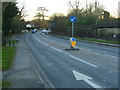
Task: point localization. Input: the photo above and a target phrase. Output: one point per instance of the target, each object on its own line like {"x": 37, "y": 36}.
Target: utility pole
{"x": 96, "y": 11}
{"x": 0, "y": 24}
{"x": 86, "y": 6}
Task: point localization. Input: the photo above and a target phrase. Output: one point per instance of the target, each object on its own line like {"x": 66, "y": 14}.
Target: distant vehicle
{"x": 46, "y": 31}
{"x": 25, "y": 30}
{"x": 49, "y": 31}
{"x": 33, "y": 31}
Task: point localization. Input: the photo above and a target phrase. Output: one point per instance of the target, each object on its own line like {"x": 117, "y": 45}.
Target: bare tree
{"x": 41, "y": 12}
{"x": 75, "y": 6}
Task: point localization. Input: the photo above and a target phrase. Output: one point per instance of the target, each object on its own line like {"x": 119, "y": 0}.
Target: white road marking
{"x": 71, "y": 55}
{"x": 83, "y": 61}
{"x": 46, "y": 35}
{"x": 80, "y": 76}
{"x": 75, "y": 57}
{"x": 45, "y": 44}
{"x": 110, "y": 71}
{"x": 110, "y": 55}
{"x": 99, "y": 53}
{"x": 38, "y": 76}
{"x": 56, "y": 49}
{"x": 53, "y": 48}
{"x": 39, "y": 40}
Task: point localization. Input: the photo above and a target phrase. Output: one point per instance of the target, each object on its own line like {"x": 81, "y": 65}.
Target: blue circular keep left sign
{"x": 73, "y": 18}
{"x": 72, "y": 39}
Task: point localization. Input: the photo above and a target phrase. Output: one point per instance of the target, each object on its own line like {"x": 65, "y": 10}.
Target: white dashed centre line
{"x": 68, "y": 54}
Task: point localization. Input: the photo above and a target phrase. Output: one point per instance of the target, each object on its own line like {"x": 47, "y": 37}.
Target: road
{"x": 93, "y": 66}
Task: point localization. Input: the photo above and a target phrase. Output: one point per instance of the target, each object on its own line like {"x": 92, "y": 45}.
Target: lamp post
{"x": 0, "y": 23}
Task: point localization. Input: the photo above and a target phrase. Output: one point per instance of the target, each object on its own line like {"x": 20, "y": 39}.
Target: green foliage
{"x": 4, "y": 84}
{"x": 59, "y": 26}
{"x": 9, "y": 12}
{"x": 87, "y": 21}
{"x": 103, "y": 41}
{"x": 106, "y": 15}
{"x": 17, "y": 24}
{"x": 8, "y": 53}
{"x": 11, "y": 18}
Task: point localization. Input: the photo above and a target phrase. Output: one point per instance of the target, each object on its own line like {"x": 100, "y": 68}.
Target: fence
{"x": 83, "y": 31}
{"x": 9, "y": 42}
{"x": 91, "y": 31}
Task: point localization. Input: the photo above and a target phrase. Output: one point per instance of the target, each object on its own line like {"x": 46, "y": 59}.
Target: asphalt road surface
{"x": 93, "y": 66}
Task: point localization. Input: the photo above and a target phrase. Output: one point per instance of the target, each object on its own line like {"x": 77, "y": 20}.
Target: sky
{"x": 62, "y": 6}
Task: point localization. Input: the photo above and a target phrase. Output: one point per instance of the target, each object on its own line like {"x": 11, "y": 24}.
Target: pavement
{"x": 23, "y": 74}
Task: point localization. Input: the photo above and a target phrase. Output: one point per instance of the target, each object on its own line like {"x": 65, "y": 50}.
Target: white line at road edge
{"x": 45, "y": 44}
{"x": 38, "y": 75}
{"x": 68, "y": 54}
{"x": 45, "y": 81}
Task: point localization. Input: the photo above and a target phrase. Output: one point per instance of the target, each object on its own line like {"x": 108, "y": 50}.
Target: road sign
{"x": 72, "y": 18}
{"x": 72, "y": 39}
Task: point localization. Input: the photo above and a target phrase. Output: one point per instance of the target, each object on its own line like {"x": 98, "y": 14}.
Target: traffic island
{"x": 72, "y": 49}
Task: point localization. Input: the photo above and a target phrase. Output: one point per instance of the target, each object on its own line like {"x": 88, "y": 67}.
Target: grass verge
{"x": 0, "y": 58}
{"x": 102, "y": 41}
{"x": 4, "y": 84}
{"x": 8, "y": 53}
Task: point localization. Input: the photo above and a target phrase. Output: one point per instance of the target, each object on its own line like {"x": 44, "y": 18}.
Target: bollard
{"x": 73, "y": 42}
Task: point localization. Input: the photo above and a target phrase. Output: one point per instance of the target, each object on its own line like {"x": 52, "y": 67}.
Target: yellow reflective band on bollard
{"x": 73, "y": 43}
